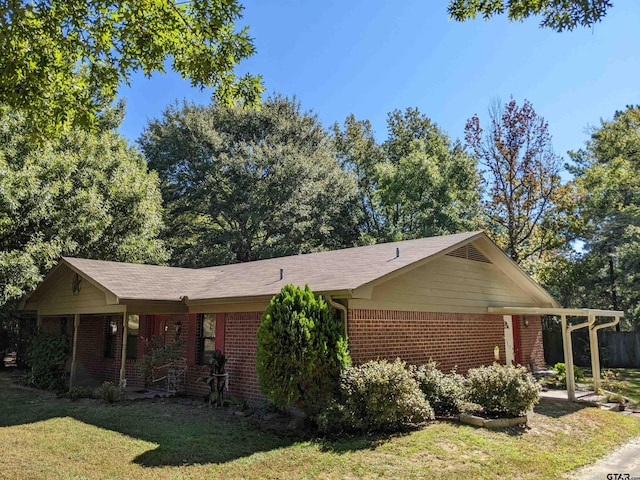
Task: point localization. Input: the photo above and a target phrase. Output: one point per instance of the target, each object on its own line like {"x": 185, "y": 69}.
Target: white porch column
{"x": 595, "y": 354}
{"x": 76, "y": 323}
{"x": 123, "y": 356}
{"x": 568, "y": 358}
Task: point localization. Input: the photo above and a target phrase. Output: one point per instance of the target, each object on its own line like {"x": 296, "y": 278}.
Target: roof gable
{"x": 347, "y": 272}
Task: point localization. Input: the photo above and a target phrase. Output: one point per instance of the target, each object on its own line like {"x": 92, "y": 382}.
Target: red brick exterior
{"x": 460, "y": 341}
{"x": 531, "y": 341}
{"x": 453, "y": 340}
{"x": 240, "y": 348}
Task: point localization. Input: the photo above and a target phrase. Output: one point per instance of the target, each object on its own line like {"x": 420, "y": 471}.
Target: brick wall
{"x": 532, "y": 350}
{"x": 452, "y": 340}
{"x": 240, "y": 349}
{"x": 460, "y": 341}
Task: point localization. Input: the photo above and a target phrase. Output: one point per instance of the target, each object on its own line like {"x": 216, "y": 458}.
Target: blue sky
{"x": 370, "y": 57}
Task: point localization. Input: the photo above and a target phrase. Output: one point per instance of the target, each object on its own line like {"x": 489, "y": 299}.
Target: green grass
{"x": 47, "y": 438}
{"x": 630, "y": 377}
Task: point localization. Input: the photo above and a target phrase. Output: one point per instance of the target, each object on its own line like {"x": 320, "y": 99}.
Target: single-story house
{"x": 431, "y": 298}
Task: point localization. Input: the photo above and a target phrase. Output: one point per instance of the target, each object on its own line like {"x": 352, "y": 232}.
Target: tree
{"x": 559, "y": 15}
{"x": 359, "y": 154}
{"x": 244, "y": 184}
{"x": 86, "y": 195}
{"x": 427, "y": 185}
{"x": 606, "y": 177}
{"x": 528, "y": 210}
{"x": 416, "y": 184}
{"x": 302, "y": 349}
{"x": 63, "y": 59}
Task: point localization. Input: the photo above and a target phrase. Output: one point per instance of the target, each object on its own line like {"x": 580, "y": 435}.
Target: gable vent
{"x": 469, "y": 252}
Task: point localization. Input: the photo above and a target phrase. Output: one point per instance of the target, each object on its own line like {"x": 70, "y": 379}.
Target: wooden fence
{"x": 617, "y": 349}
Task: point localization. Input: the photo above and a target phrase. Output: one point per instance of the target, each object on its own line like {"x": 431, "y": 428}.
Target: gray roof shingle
{"x": 332, "y": 271}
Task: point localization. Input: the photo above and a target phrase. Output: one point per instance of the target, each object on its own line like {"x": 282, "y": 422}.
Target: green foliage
{"x": 504, "y": 391}
{"x": 561, "y": 378}
{"x": 46, "y": 360}
{"x": 87, "y": 195}
{"x": 376, "y": 396}
{"x": 245, "y": 184}
{"x": 609, "y": 190}
{"x": 417, "y": 184}
{"x": 63, "y": 60}
{"x": 612, "y": 382}
{"x": 559, "y": 15}
{"x": 158, "y": 354}
{"x": 444, "y": 392}
{"x": 76, "y": 393}
{"x": 528, "y": 212}
{"x": 301, "y": 350}
{"x": 111, "y": 392}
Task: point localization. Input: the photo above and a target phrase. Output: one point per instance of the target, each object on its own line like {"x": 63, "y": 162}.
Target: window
{"x": 111, "y": 334}
{"x": 133, "y": 324}
{"x": 206, "y": 338}
{"x": 110, "y": 337}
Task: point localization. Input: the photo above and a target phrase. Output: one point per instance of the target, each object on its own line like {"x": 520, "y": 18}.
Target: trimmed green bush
{"x": 46, "y": 360}
{"x": 376, "y": 396}
{"x": 444, "y": 392}
{"x": 560, "y": 379}
{"x": 302, "y": 350}
{"x": 111, "y": 392}
{"x": 502, "y": 391}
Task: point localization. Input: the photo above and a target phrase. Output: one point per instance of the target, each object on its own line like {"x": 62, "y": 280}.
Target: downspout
{"x": 342, "y": 308}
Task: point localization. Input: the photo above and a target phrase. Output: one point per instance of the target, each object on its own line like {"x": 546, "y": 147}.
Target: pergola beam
{"x": 569, "y": 312}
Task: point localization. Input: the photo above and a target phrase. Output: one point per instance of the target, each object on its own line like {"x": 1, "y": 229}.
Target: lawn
{"x": 630, "y": 377}
{"x": 47, "y": 438}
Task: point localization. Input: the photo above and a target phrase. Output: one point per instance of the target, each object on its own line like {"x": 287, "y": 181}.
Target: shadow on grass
{"x": 184, "y": 434}
{"x": 348, "y": 443}
{"x": 558, "y": 408}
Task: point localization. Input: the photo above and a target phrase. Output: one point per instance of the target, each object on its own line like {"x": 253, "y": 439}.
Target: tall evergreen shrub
{"x": 302, "y": 350}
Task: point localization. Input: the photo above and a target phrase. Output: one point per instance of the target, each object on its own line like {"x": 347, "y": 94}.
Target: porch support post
{"x": 123, "y": 354}
{"x": 595, "y": 355}
{"x": 594, "y": 347}
{"x": 39, "y": 321}
{"x": 72, "y": 377}
{"x": 568, "y": 359}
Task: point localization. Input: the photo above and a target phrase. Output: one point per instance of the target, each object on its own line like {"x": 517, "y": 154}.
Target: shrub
{"x": 301, "y": 351}
{"x": 46, "y": 359}
{"x": 561, "y": 377}
{"x": 76, "y": 393}
{"x": 376, "y": 396}
{"x": 503, "y": 391}
{"x": 110, "y": 392}
{"x": 444, "y": 392}
{"x": 158, "y": 354}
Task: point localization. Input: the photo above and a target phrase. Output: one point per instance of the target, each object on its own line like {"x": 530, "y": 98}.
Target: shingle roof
{"x": 337, "y": 270}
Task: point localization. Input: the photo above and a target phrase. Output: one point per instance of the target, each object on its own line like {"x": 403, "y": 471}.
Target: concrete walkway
{"x": 625, "y": 460}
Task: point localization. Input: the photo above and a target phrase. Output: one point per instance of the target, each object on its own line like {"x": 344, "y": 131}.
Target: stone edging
{"x": 492, "y": 422}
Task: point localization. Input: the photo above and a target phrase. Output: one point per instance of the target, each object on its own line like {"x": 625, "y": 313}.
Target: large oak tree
{"x": 245, "y": 184}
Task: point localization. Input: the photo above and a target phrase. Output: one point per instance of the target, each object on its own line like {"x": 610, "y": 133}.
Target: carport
{"x": 610, "y": 319}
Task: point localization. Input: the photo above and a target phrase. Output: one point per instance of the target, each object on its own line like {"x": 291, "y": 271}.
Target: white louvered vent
{"x": 469, "y": 252}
